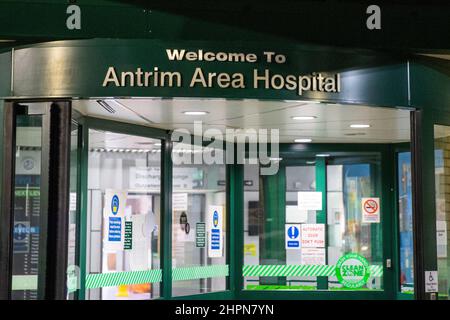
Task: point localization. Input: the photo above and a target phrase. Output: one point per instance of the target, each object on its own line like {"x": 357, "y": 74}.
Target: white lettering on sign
{"x": 114, "y": 213}
{"x": 200, "y": 55}
{"x": 261, "y": 79}
{"x": 73, "y": 21}
{"x": 373, "y": 22}
{"x": 292, "y": 236}
{"x": 313, "y": 235}
{"x": 215, "y": 231}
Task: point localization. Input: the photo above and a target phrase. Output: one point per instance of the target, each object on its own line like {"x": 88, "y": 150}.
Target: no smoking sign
{"x": 370, "y": 210}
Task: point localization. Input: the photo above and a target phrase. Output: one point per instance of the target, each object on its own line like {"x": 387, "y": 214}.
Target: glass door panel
{"x": 27, "y": 207}
{"x": 352, "y": 194}
{"x": 123, "y": 218}
{"x": 442, "y": 180}
{"x": 315, "y": 225}
{"x": 405, "y": 222}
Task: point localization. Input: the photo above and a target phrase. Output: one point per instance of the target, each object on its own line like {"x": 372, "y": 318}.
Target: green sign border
{"x": 352, "y": 284}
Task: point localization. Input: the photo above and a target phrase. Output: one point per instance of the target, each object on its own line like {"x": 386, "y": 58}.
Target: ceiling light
{"x": 356, "y": 125}
{"x": 303, "y": 140}
{"x": 302, "y": 101}
{"x": 310, "y": 162}
{"x": 275, "y": 159}
{"x": 195, "y": 113}
{"x": 322, "y": 155}
{"x": 303, "y": 117}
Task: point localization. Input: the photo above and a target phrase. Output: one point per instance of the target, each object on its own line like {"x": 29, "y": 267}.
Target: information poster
{"x": 292, "y": 236}
{"x": 313, "y": 256}
{"x": 179, "y": 201}
{"x": 215, "y": 232}
{"x": 370, "y": 210}
{"x": 200, "y": 234}
{"x": 294, "y": 215}
{"x": 114, "y": 212}
{"x": 313, "y": 235}
{"x": 309, "y": 200}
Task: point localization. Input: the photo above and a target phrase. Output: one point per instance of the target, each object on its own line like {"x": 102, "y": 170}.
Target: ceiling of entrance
{"x": 330, "y": 123}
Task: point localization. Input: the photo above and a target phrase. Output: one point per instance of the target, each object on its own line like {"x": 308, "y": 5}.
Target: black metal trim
{"x": 417, "y": 200}
{"x": 6, "y": 213}
{"x": 43, "y": 214}
{"x": 58, "y": 200}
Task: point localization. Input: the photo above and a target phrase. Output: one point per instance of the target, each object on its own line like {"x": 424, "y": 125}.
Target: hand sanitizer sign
{"x": 215, "y": 232}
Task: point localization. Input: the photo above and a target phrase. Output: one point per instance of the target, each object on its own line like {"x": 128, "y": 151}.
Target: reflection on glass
{"x": 73, "y": 270}
{"x": 124, "y": 180}
{"x": 276, "y": 258}
{"x": 405, "y": 222}
{"x": 349, "y": 185}
{"x": 199, "y": 225}
{"x": 442, "y": 173}
{"x": 26, "y": 227}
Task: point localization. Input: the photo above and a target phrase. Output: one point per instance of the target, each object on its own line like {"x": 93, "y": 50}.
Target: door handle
{"x": 388, "y": 263}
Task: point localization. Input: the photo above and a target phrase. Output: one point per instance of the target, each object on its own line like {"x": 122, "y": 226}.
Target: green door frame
{"x": 235, "y": 216}
{"x": 165, "y": 243}
{"x": 388, "y": 230}
{"x": 88, "y": 123}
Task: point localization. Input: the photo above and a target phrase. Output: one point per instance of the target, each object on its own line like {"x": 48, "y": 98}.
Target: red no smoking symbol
{"x": 371, "y": 206}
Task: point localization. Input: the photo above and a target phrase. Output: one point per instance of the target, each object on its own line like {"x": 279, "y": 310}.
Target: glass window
{"x": 73, "y": 270}
{"x": 199, "y": 225}
{"x": 405, "y": 222}
{"x": 353, "y": 192}
{"x": 27, "y": 208}
{"x": 123, "y": 219}
{"x": 306, "y": 220}
{"x": 442, "y": 179}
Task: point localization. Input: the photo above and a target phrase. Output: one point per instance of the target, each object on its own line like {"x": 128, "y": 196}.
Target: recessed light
{"x": 302, "y": 101}
{"x": 275, "y": 159}
{"x": 195, "y": 113}
{"x": 310, "y": 162}
{"x": 303, "y": 140}
{"x": 322, "y": 155}
{"x": 360, "y": 125}
{"x": 303, "y": 117}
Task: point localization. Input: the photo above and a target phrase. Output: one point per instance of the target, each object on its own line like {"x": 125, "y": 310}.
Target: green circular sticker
{"x": 352, "y": 270}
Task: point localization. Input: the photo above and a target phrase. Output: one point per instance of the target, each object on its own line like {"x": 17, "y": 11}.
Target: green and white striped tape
{"x": 192, "y": 273}
{"x": 376, "y": 271}
{"x": 99, "y": 280}
{"x": 299, "y": 270}
{"x": 110, "y": 279}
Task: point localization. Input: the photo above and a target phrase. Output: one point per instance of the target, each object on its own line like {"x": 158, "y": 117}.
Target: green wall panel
{"x": 430, "y": 83}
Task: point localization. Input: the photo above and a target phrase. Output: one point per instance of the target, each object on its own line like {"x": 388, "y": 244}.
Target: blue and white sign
{"x": 292, "y": 236}
{"x": 215, "y": 234}
{"x": 113, "y": 211}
